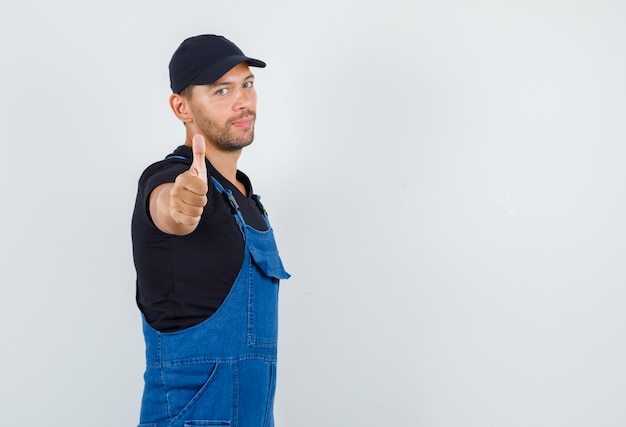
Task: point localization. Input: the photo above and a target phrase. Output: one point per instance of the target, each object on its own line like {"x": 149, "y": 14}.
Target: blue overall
{"x": 221, "y": 372}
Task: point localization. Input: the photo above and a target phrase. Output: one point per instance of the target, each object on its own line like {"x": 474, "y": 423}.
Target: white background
{"x": 445, "y": 178}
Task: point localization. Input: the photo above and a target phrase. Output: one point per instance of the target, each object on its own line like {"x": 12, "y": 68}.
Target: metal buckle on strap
{"x": 228, "y": 196}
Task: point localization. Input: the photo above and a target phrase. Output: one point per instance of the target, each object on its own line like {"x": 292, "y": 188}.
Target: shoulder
{"x": 167, "y": 169}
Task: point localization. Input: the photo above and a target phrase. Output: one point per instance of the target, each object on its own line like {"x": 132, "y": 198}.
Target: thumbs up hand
{"x": 176, "y": 207}
{"x": 198, "y": 167}
{"x": 188, "y": 195}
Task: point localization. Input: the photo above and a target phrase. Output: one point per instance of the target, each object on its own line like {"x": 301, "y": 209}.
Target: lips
{"x": 244, "y": 121}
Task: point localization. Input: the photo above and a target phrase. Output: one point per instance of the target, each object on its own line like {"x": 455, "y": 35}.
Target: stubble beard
{"x": 222, "y": 136}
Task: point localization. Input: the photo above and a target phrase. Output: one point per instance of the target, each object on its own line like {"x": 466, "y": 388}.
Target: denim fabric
{"x": 221, "y": 372}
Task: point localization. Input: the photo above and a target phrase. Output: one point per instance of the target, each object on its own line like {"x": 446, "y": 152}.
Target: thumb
{"x": 198, "y": 166}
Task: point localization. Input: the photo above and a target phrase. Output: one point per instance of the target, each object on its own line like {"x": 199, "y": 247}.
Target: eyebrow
{"x": 228, "y": 82}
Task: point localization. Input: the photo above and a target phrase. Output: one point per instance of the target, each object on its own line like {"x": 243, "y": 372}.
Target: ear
{"x": 180, "y": 106}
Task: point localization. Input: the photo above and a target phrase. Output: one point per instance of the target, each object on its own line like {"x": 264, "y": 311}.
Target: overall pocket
{"x": 203, "y": 392}
{"x": 266, "y": 269}
{"x": 262, "y": 310}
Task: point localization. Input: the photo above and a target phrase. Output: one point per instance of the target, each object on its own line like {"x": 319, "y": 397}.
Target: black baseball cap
{"x": 203, "y": 59}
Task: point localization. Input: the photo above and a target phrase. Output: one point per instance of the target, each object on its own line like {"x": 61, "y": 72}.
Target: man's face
{"x": 225, "y": 111}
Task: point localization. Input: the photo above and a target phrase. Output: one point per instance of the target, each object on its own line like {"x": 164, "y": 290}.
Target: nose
{"x": 243, "y": 100}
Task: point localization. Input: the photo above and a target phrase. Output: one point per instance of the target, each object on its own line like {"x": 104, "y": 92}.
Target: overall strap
{"x": 257, "y": 200}
{"x": 234, "y": 206}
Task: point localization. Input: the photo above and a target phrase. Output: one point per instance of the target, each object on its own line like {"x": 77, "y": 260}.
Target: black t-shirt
{"x": 182, "y": 280}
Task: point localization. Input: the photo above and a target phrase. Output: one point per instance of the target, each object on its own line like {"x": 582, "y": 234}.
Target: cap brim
{"x": 256, "y": 63}
{"x": 214, "y": 73}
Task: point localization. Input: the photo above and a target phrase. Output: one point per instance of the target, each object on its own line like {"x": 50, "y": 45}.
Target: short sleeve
{"x": 156, "y": 174}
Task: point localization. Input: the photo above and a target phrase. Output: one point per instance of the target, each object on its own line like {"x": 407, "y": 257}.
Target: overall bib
{"x": 222, "y": 371}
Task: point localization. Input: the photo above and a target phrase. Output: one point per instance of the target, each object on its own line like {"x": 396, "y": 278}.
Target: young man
{"x": 207, "y": 264}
